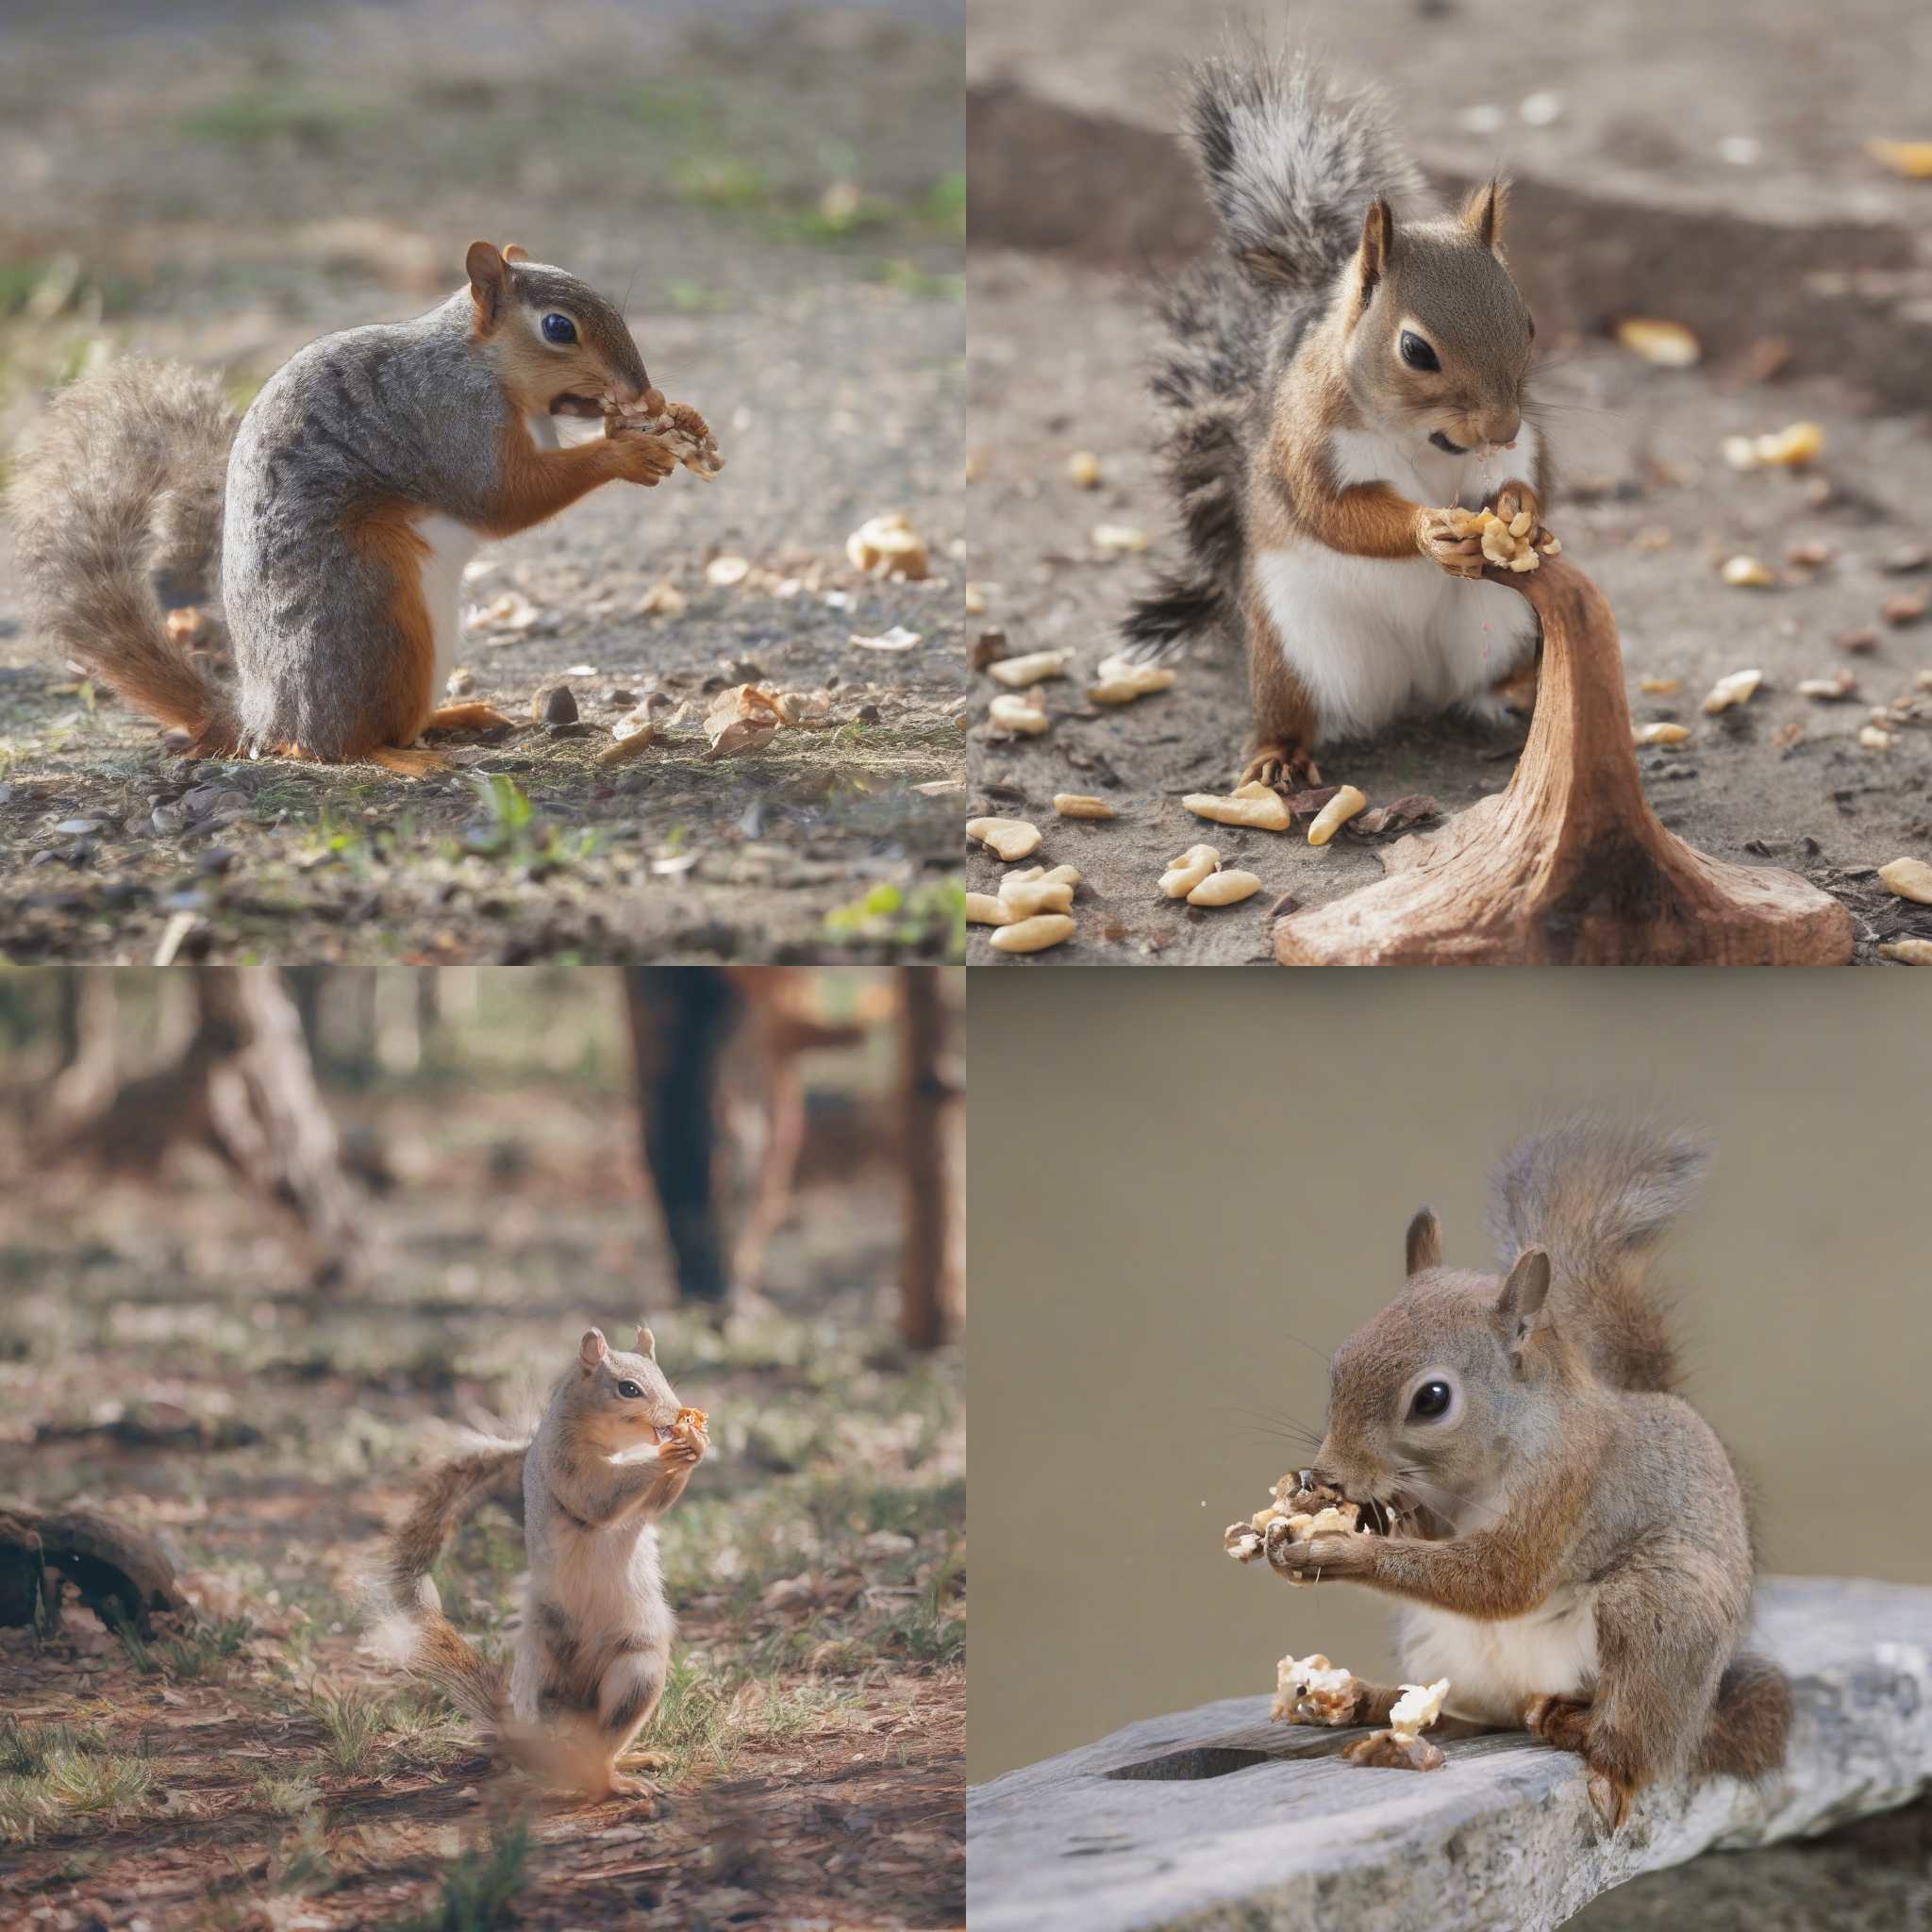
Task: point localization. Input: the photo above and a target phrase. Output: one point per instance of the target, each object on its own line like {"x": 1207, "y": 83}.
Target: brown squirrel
{"x": 1586, "y": 1567}
{"x": 343, "y": 505}
{"x": 611, "y": 1454}
{"x": 1356, "y": 370}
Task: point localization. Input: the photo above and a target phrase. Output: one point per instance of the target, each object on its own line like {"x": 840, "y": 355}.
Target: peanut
{"x": 1186, "y": 872}
{"x": 1034, "y": 895}
{"x": 1020, "y": 715}
{"x": 1017, "y": 671}
{"x": 1252, "y": 805}
{"x": 1010, "y": 838}
{"x": 1224, "y": 889}
{"x": 1081, "y": 804}
{"x": 1335, "y": 814}
{"x": 1034, "y": 935}
{"x": 1910, "y": 878}
{"x": 982, "y": 909}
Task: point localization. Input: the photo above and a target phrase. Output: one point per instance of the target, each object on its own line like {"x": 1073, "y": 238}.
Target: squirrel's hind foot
{"x": 1281, "y": 767}
{"x": 1560, "y": 1720}
{"x": 468, "y": 718}
{"x": 407, "y": 762}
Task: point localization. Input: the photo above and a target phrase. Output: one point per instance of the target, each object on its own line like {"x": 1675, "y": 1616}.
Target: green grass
{"x": 363, "y": 1731}
{"x": 353, "y": 1727}
{"x": 55, "y": 1774}
{"x": 286, "y": 1796}
{"x": 204, "y": 1651}
{"x": 477, "y": 1892}
{"x": 272, "y": 110}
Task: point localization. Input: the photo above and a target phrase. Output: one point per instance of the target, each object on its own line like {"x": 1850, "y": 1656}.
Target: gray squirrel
{"x": 612, "y": 1453}
{"x": 1355, "y": 368}
{"x": 343, "y": 507}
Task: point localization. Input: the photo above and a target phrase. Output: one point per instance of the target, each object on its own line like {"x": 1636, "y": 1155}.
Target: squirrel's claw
{"x": 1281, "y": 767}
{"x": 1439, "y": 540}
{"x": 1612, "y": 1798}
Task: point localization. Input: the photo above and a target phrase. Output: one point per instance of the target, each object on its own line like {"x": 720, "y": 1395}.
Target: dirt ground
{"x": 158, "y": 1351}
{"x": 1647, "y": 504}
{"x": 226, "y": 184}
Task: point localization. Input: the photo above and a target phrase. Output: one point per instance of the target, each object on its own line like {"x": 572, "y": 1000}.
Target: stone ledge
{"x": 1218, "y": 1818}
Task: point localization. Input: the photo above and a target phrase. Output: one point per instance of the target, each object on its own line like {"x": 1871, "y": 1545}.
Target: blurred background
{"x": 265, "y": 1236}
{"x": 1181, "y": 1204}
{"x": 1719, "y": 220}
{"x": 775, "y": 193}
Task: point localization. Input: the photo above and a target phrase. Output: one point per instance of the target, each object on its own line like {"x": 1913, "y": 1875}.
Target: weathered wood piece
{"x": 1218, "y": 1818}
{"x": 118, "y": 1570}
{"x": 1568, "y": 866}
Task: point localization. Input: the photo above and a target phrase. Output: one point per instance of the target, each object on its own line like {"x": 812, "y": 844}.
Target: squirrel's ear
{"x": 1483, "y": 212}
{"x": 1371, "y": 257}
{"x": 647, "y": 1342}
{"x": 488, "y": 284}
{"x": 1520, "y": 1307}
{"x": 593, "y": 1348}
{"x": 514, "y": 251}
{"x": 1425, "y": 1242}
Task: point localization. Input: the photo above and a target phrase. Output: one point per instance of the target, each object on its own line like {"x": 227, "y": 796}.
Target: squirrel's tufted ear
{"x": 1520, "y": 1307}
{"x": 1483, "y": 212}
{"x": 515, "y": 251}
{"x": 647, "y": 1342}
{"x": 1371, "y": 257}
{"x": 1424, "y": 1247}
{"x": 593, "y": 1348}
{"x": 488, "y": 284}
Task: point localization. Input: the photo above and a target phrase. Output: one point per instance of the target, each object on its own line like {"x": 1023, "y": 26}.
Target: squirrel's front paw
{"x": 1444, "y": 537}
{"x": 640, "y": 459}
{"x": 1320, "y": 1556}
{"x": 685, "y": 1449}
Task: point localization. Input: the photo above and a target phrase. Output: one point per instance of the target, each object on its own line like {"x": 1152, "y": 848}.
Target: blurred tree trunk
{"x": 89, "y": 1048}
{"x": 243, "y": 1086}
{"x": 680, "y": 1018}
{"x": 931, "y": 1280}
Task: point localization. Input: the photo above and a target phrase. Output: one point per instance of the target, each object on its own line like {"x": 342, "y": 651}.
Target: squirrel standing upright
{"x": 1357, "y": 369}
{"x": 343, "y": 506}
{"x": 611, "y": 1454}
{"x": 1588, "y": 1569}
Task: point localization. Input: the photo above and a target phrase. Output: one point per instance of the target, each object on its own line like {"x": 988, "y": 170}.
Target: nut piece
{"x": 982, "y": 909}
{"x": 1017, "y": 714}
{"x": 1311, "y": 1691}
{"x": 888, "y": 546}
{"x": 1010, "y": 838}
{"x": 1669, "y": 345}
{"x": 1119, "y": 539}
{"x": 1659, "y": 734}
{"x": 1252, "y": 805}
{"x": 1224, "y": 889}
{"x": 1186, "y": 872}
{"x": 1747, "y": 574}
{"x": 1874, "y": 738}
{"x": 1335, "y": 814}
{"x": 1910, "y": 878}
{"x": 1120, "y": 681}
{"x": 1030, "y": 669}
{"x": 1906, "y": 952}
{"x": 1395, "y": 1751}
{"x": 1034, "y": 935}
{"x": 1023, "y": 898}
{"x": 1083, "y": 470}
{"x": 1081, "y": 804}
{"x": 1060, "y": 876}
{"x": 1732, "y": 689}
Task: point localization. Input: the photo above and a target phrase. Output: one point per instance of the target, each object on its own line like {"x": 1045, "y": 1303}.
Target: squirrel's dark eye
{"x": 1416, "y": 352}
{"x": 629, "y": 1389}
{"x": 559, "y": 329}
{"x": 1428, "y": 1402}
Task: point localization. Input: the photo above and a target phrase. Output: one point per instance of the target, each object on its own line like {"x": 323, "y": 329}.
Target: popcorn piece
{"x": 1418, "y": 1708}
{"x": 1311, "y": 1691}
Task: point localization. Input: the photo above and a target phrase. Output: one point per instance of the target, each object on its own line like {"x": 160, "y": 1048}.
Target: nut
{"x": 982, "y": 909}
{"x": 1120, "y": 681}
{"x": 1335, "y": 814}
{"x": 1081, "y": 804}
{"x": 1659, "y": 734}
{"x": 1083, "y": 470}
{"x": 1186, "y": 872}
{"x": 1030, "y": 669}
{"x": 1034, "y": 935}
{"x": 1906, "y": 952}
{"x": 1252, "y": 805}
{"x": 1010, "y": 838}
{"x": 1790, "y": 447}
{"x": 1669, "y": 345}
{"x": 1747, "y": 574}
{"x": 1874, "y": 738}
{"x": 1224, "y": 889}
{"x": 1060, "y": 876}
{"x": 1118, "y": 539}
{"x": 1023, "y": 898}
{"x": 1910, "y": 878}
{"x": 1019, "y": 715}
{"x": 888, "y": 546}
{"x": 1395, "y": 1751}
{"x": 1732, "y": 689}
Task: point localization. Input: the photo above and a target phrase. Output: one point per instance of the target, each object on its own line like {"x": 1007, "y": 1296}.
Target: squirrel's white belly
{"x": 1495, "y": 1668}
{"x": 451, "y": 547}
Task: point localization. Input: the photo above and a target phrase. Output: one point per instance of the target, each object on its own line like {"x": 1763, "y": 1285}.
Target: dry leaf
{"x": 744, "y": 718}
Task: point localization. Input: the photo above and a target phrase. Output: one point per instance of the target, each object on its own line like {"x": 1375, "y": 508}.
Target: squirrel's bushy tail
{"x": 1598, "y": 1197}
{"x": 418, "y": 1636}
{"x": 125, "y": 478}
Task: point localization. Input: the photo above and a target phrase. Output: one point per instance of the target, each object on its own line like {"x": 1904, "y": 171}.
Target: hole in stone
{"x": 1203, "y": 1760}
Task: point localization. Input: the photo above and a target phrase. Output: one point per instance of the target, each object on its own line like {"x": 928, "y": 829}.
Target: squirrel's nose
{"x": 1499, "y": 427}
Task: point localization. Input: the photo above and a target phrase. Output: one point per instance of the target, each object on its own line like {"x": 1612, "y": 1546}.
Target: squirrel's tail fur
{"x": 1291, "y": 164}
{"x": 1598, "y": 1197}
{"x": 127, "y": 479}
{"x": 428, "y": 1645}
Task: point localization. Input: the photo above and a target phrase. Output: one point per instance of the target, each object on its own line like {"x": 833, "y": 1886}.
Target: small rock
{"x": 556, "y": 706}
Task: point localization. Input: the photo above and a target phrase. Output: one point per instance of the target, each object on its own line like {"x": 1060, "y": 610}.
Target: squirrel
{"x": 612, "y": 1453}
{"x": 1348, "y": 375}
{"x": 1586, "y": 1565}
{"x": 343, "y": 505}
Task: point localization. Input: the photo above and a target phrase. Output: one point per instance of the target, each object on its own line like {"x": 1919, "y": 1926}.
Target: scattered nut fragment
{"x": 1788, "y": 448}
{"x": 1395, "y": 1751}
{"x": 1083, "y": 470}
{"x": 1186, "y": 872}
{"x": 1312, "y": 1691}
{"x": 1224, "y": 889}
{"x": 1859, "y": 642}
{"x": 888, "y": 546}
{"x": 1732, "y": 689}
{"x": 1747, "y": 574}
{"x": 1119, "y": 539}
{"x": 1833, "y": 690}
{"x": 1120, "y": 681}
{"x": 1335, "y": 814}
{"x": 1907, "y": 607}
{"x": 1023, "y": 898}
{"x": 1029, "y": 669}
{"x": 976, "y": 598}
{"x": 1669, "y": 345}
{"x": 1874, "y": 738}
{"x": 1033, "y": 935}
{"x": 1510, "y": 546}
{"x": 1908, "y": 952}
{"x": 1911, "y": 158}
{"x": 1017, "y": 714}
{"x": 1910, "y": 878}
{"x": 982, "y": 909}
{"x": 1253, "y": 804}
{"x": 631, "y": 736}
{"x": 1659, "y": 687}
{"x": 723, "y": 572}
{"x": 1081, "y": 804}
{"x": 1659, "y": 734}
{"x": 1010, "y": 838}
{"x": 1060, "y": 876}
